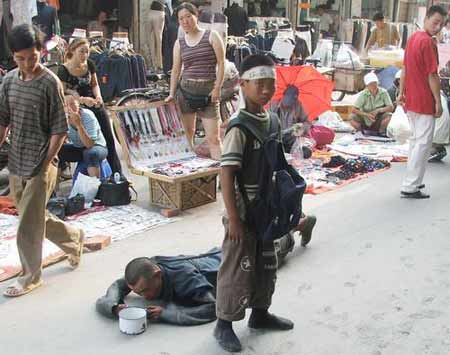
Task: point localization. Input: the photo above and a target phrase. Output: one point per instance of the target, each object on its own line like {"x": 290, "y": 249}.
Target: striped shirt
{"x": 199, "y": 61}
{"x": 92, "y": 128}
{"x": 34, "y": 111}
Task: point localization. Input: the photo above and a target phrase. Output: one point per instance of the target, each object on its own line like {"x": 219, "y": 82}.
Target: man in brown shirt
{"x": 32, "y": 109}
{"x": 384, "y": 34}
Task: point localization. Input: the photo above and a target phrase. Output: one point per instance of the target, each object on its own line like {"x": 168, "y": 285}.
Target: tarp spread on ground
{"x": 327, "y": 171}
{"x": 372, "y": 147}
{"x": 117, "y": 222}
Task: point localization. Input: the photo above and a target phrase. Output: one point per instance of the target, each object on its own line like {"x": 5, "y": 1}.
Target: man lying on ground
{"x": 182, "y": 287}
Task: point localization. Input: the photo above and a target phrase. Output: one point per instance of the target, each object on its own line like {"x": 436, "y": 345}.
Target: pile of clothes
{"x": 350, "y": 168}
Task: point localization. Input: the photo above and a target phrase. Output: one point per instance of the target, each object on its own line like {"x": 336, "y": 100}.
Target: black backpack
{"x": 277, "y": 207}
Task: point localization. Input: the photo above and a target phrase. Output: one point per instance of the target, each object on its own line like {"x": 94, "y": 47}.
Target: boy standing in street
{"x": 420, "y": 94}
{"x": 32, "y": 108}
{"x": 247, "y": 275}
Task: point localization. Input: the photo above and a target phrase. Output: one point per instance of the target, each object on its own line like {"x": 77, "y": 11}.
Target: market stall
{"x": 155, "y": 146}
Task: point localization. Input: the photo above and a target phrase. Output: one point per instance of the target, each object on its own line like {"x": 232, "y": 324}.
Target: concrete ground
{"x": 375, "y": 280}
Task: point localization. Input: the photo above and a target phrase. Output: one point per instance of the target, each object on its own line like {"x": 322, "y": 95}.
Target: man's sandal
{"x": 16, "y": 290}
{"x": 74, "y": 259}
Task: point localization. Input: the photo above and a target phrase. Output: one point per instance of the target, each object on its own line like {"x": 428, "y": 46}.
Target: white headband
{"x": 261, "y": 72}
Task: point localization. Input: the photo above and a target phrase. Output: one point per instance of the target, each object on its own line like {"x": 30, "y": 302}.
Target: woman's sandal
{"x": 16, "y": 290}
{"x": 74, "y": 259}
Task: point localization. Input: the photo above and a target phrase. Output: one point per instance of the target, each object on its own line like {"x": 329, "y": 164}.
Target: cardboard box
{"x": 344, "y": 109}
{"x": 347, "y": 80}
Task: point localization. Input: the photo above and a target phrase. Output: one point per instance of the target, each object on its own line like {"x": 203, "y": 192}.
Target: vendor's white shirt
{"x": 325, "y": 21}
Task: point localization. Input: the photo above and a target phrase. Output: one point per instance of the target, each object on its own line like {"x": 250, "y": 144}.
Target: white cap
{"x": 370, "y": 78}
{"x": 398, "y": 74}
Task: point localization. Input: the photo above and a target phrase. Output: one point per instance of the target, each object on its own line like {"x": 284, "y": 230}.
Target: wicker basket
{"x": 185, "y": 194}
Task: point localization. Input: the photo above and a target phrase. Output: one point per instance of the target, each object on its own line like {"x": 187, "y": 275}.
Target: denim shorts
{"x": 197, "y": 88}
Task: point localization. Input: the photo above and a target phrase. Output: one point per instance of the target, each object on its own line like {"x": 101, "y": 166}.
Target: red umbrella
{"x": 314, "y": 89}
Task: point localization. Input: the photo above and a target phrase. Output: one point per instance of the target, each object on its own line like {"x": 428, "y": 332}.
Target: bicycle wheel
{"x": 337, "y": 95}
{"x": 133, "y": 99}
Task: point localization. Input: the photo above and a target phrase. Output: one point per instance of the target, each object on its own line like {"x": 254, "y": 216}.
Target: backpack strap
{"x": 251, "y": 132}
{"x": 248, "y": 125}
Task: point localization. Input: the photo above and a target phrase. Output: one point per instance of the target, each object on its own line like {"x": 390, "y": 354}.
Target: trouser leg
{"x": 159, "y": 33}
{"x": 31, "y": 197}
{"x": 105, "y": 126}
{"x": 94, "y": 156}
{"x": 62, "y": 234}
{"x": 265, "y": 275}
{"x": 422, "y": 127}
{"x": 69, "y": 153}
{"x": 236, "y": 277}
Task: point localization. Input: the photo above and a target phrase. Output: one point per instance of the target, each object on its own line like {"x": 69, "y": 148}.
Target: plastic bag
{"x": 346, "y": 58}
{"x": 442, "y": 130}
{"x": 324, "y": 52}
{"x": 297, "y": 150}
{"x": 86, "y": 186}
{"x": 398, "y": 127}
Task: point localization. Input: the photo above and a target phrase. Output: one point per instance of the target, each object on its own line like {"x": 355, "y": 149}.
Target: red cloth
{"x": 421, "y": 60}
{"x": 7, "y": 206}
{"x": 322, "y": 135}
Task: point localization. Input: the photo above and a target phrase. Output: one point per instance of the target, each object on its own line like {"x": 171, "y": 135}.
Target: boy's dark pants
{"x": 246, "y": 276}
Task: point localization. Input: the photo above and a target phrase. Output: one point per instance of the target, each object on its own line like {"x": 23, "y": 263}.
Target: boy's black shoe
{"x": 418, "y": 195}
{"x": 307, "y": 230}
{"x": 226, "y": 337}
{"x": 261, "y": 319}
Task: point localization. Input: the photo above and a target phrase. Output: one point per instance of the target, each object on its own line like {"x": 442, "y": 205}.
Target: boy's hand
{"x": 236, "y": 230}
{"x": 154, "y": 312}
{"x": 118, "y": 308}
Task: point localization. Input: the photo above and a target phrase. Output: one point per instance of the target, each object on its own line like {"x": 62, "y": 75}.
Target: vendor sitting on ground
{"x": 383, "y": 35}
{"x": 290, "y": 111}
{"x": 87, "y": 143}
{"x": 373, "y": 108}
{"x": 182, "y": 289}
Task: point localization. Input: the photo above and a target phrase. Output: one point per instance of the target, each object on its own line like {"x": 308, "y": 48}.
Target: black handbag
{"x": 111, "y": 193}
{"x": 57, "y": 207}
{"x": 62, "y": 207}
{"x": 196, "y": 102}
{"x": 75, "y": 204}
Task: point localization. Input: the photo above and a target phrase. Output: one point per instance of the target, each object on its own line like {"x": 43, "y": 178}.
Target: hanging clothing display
{"x": 304, "y": 32}
{"x": 358, "y": 32}
{"x": 46, "y": 19}
{"x": 125, "y": 13}
{"x": 23, "y": 11}
{"x": 119, "y": 70}
{"x": 216, "y": 21}
{"x": 154, "y": 29}
{"x": 237, "y": 20}
{"x": 169, "y": 38}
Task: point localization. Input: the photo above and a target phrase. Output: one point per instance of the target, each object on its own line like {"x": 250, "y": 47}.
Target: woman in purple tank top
{"x": 198, "y": 69}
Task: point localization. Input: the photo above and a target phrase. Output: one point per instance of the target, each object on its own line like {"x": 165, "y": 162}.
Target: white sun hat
{"x": 370, "y": 78}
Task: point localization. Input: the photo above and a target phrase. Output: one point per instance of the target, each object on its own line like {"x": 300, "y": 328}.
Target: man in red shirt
{"x": 420, "y": 94}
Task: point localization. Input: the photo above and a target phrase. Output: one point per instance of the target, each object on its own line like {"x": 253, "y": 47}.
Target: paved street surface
{"x": 375, "y": 280}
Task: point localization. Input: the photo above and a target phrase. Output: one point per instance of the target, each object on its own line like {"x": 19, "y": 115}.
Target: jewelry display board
{"x": 155, "y": 145}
